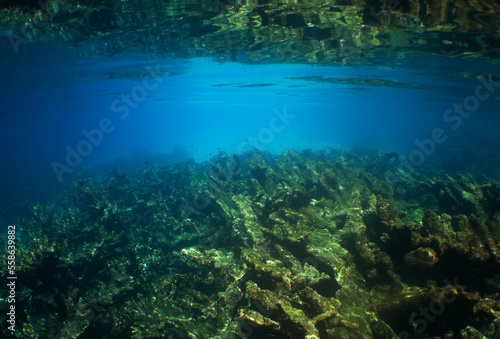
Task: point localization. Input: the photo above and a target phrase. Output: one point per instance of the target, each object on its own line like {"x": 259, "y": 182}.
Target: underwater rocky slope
{"x": 300, "y": 245}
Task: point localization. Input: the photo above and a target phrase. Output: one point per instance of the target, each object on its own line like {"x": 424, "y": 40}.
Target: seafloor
{"x": 300, "y": 245}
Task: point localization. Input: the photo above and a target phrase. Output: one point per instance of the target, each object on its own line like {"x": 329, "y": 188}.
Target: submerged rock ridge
{"x": 260, "y": 30}
{"x": 297, "y": 245}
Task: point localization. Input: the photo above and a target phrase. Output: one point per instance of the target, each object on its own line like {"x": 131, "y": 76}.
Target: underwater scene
{"x": 250, "y": 169}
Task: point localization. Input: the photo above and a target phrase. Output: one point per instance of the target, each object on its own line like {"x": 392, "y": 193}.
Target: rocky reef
{"x": 300, "y": 245}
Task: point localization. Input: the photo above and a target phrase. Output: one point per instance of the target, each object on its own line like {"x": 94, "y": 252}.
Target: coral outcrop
{"x": 300, "y": 245}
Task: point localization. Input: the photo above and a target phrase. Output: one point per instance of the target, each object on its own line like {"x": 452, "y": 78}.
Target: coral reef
{"x": 300, "y": 245}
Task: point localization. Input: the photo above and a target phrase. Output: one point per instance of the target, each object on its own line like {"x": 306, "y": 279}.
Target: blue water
{"x": 138, "y": 109}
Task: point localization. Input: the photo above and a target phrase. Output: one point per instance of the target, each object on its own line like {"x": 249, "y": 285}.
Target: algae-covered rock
{"x": 421, "y": 257}
{"x": 291, "y": 246}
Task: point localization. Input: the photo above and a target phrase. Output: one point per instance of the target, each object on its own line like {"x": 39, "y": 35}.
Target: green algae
{"x": 297, "y": 245}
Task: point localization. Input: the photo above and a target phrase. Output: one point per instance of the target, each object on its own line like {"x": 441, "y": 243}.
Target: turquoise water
{"x": 119, "y": 119}
{"x": 53, "y": 102}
